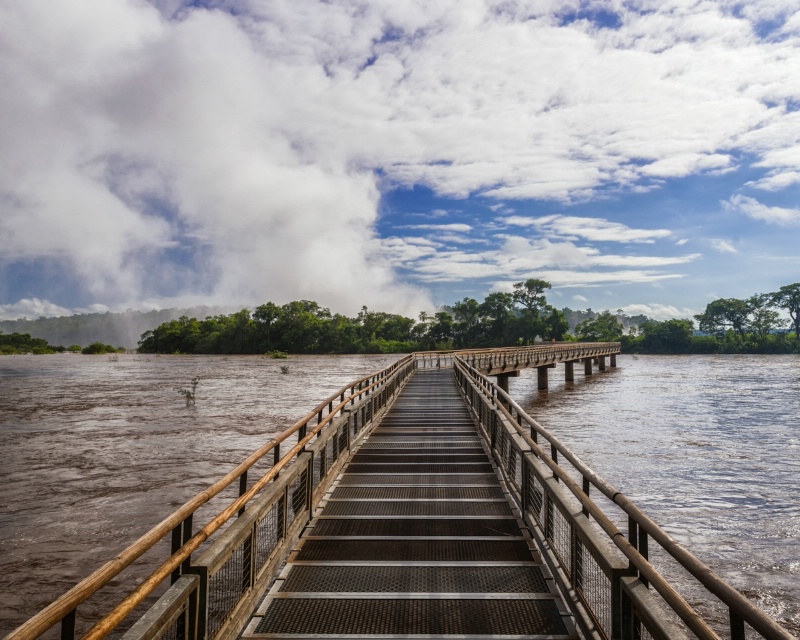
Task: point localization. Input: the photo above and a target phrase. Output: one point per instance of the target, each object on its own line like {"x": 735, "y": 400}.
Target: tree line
{"x": 502, "y": 319}
{"x": 303, "y": 326}
{"x": 728, "y": 325}
{"x": 23, "y": 343}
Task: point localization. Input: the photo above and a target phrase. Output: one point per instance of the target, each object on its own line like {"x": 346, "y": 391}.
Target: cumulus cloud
{"x": 593, "y": 229}
{"x": 238, "y": 151}
{"x": 755, "y": 209}
{"x": 563, "y": 263}
{"x": 658, "y": 311}
{"x": 31, "y": 308}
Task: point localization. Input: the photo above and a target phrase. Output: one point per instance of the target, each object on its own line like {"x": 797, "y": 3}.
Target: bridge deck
{"x": 416, "y": 539}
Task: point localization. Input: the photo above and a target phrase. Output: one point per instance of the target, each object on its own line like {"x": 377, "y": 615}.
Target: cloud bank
{"x": 238, "y": 152}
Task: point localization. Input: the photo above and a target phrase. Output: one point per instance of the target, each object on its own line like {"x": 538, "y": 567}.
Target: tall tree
{"x": 670, "y": 336}
{"x": 763, "y": 318}
{"x": 554, "y": 325}
{"x": 496, "y": 309}
{"x": 603, "y": 328}
{"x": 788, "y": 298}
{"x": 723, "y": 314}
{"x": 530, "y": 294}
{"x": 265, "y": 317}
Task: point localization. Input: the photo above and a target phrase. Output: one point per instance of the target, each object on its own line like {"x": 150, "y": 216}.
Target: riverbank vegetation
{"x": 23, "y": 343}
{"x": 521, "y": 317}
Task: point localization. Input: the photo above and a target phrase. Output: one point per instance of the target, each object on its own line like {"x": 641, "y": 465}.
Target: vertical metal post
{"x": 737, "y": 626}
{"x": 68, "y": 626}
{"x": 276, "y": 458}
{"x": 310, "y": 486}
{"x": 554, "y": 457}
{"x": 587, "y": 487}
{"x": 177, "y": 535}
{"x": 524, "y": 489}
{"x": 643, "y": 550}
{"x": 187, "y": 535}
{"x": 242, "y": 491}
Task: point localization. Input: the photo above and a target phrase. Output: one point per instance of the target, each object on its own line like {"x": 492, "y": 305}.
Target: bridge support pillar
{"x": 569, "y": 371}
{"x": 502, "y": 379}
{"x": 542, "y": 377}
{"x": 601, "y": 362}
{"x": 613, "y": 359}
{"x": 587, "y": 366}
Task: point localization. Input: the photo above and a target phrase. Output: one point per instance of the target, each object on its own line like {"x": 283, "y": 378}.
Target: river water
{"x": 96, "y": 450}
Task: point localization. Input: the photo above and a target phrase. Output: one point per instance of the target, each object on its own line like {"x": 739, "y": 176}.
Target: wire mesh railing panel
{"x": 270, "y": 531}
{"x": 179, "y": 629}
{"x": 560, "y": 539}
{"x": 502, "y": 445}
{"x": 227, "y": 585}
{"x": 593, "y": 587}
{"x": 640, "y": 632}
{"x": 331, "y": 452}
{"x": 517, "y": 475}
{"x": 319, "y": 468}
{"x": 342, "y": 435}
{"x": 298, "y": 497}
{"x": 535, "y": 498}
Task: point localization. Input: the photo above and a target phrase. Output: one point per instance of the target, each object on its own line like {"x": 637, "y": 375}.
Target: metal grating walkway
{"x": 416, "y": 539}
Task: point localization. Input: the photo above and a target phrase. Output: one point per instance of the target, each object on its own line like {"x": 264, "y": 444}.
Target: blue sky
{"x": 642, "y": 156}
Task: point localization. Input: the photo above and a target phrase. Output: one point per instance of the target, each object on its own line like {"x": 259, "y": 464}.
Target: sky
{"x": 641, "y": 155}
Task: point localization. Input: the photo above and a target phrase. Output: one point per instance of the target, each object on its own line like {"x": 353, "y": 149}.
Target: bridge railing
{"x": 535, "y": 355}
{"x": 211, "y": 596}
{"x": 616, "y": 591}
{"x": 520, "y": 357}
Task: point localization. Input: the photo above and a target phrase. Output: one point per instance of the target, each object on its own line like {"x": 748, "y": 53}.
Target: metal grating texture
{"x": 417, "y": 493}
{"x": 412, "y": 508}
{"x": 417, "y": 538}
{"x": 319, "y": 617}
{"x": 488, "y": 479}
{"x": 393, "y": 579}
{"x": 416, "y": 550}
{"x": 463, "y": 446}
{"x": 417, "y": 527}
{"x": 414, "y": 456}
{"x": 420, "y": 468}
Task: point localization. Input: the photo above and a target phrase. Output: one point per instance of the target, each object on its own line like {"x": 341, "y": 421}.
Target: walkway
{"x": 416, "y": 538}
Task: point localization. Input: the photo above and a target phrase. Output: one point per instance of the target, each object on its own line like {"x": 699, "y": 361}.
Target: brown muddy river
{"x": 97, "y": 451}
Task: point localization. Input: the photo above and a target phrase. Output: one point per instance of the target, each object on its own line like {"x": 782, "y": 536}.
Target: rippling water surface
{"x": 708, "y": 446}
{"x": 95, "y": 452}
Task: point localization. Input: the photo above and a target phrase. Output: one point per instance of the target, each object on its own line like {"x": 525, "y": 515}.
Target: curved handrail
{"x": 715, "y": 584}
{"x": 69, "y": 601}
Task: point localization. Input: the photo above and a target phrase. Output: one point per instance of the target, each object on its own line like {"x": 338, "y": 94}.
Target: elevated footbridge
{"x": 417, "y": 502}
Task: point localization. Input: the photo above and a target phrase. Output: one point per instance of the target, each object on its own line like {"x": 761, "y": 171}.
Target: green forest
{"x": 728, "y": 325}
{"x": 22, "y": 343}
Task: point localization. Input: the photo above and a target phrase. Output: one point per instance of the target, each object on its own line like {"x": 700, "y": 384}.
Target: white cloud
{"x": 456, "y": 227}
{"x": 563, "y": 263}
{"x": 32, "y": 308}
{"x": 658, "y": 311}
{"x": 592, "y": 229}
{"x": 754, "y": 209}
{"x": 239, "y": 152}
{"x": 579, "y": 298}
{"x": 723, "y": 246}
{"x": 125, "y": 139}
